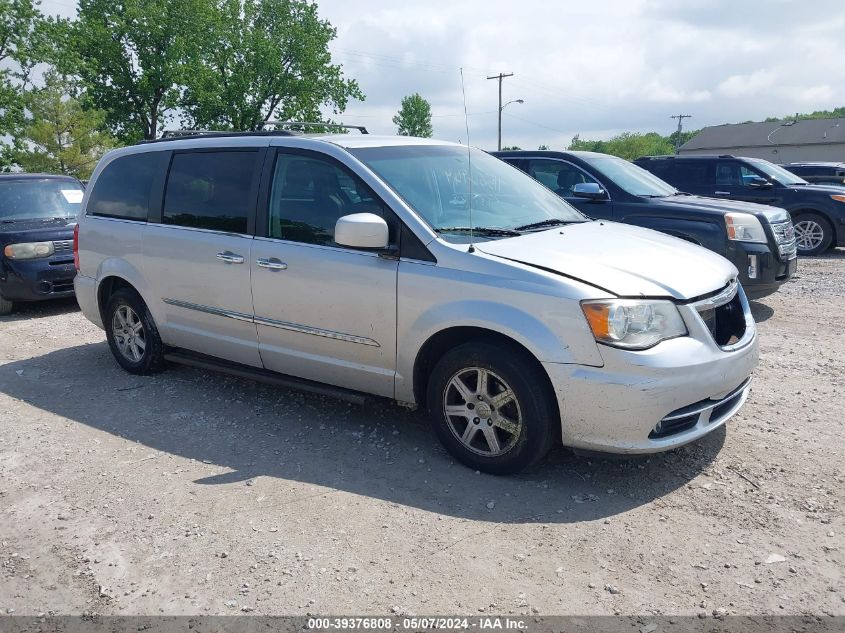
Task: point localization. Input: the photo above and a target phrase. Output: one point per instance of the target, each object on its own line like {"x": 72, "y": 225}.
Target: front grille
{"x": 63, "y": 247}
{"x": 785, "y": 236}
{"x": 726, "y": 322}
{"x": 707, "y": 411}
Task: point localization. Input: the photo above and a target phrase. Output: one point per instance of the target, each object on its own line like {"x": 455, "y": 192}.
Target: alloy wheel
{"x": 482, "y": 411}
{"x": 809, "y": 234}
{"x": 129, "y": 335}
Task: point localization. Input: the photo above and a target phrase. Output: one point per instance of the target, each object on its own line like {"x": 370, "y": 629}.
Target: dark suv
{"x": 37, "y": 218}
{"x": 757, "y": 239}
{"x": 818, "y": 211}
{"x": 819, "y": 173}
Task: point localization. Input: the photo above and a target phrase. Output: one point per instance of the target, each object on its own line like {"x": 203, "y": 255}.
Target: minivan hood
{"x": 772, "y": 214}
{"x": 624, "y": 260}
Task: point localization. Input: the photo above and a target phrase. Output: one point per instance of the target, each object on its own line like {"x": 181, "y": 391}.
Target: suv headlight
{"x": 744, "y": 227}
{"x": 29, "y": 250}
{"x": 632, "y": 323}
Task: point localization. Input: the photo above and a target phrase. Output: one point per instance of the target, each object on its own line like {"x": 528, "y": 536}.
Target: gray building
{"x": 777, "y": 141}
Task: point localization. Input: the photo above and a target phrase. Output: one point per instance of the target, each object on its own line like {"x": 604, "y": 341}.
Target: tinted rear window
{"x": 211, "y": 190}
{"x": 124, "y": 187}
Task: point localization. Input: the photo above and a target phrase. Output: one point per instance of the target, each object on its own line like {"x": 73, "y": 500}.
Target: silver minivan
{"x": 419, "y": 271}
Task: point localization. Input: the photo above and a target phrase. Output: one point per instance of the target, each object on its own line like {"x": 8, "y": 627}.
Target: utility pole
{"x": 680, "y": 118}
{"x": 500, "y": 76}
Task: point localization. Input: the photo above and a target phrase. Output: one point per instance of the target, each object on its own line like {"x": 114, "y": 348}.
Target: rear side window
{"x": 211, "y": 190}
{"x": 691, "y": 173}
{"x": 123, "y": 189}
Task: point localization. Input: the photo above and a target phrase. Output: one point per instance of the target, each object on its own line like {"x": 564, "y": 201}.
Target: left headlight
{"x": 632, "y": 323}
{"x": 744, "y": 227}
{"x": 29, "y": 250}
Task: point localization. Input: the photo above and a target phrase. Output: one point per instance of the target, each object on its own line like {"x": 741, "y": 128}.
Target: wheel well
{"x": 795, "y": 214}
{"x": 435, "y": 347}
{"x": 107, "y": 288}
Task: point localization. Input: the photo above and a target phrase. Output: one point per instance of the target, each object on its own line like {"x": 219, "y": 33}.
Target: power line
{"x": 680, "y": 118}
{"x": 500, "y": 76}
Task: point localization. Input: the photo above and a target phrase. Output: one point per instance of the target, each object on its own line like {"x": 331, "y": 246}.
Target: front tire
{"x": 132, "y": 334}
{"x": 813, "y": 233}
{"x": 5, "y": 306}
{"x": 491, "y": 407}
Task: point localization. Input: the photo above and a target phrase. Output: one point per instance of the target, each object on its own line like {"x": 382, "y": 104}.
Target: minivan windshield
{"x": 38, "y": 199}
{"x": 629, "y": 177}
{"x": 779, "y": 174}
{"x": 434, "y": 180}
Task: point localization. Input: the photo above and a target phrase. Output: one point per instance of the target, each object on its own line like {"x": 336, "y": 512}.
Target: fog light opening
{"x": 752, "y": 267}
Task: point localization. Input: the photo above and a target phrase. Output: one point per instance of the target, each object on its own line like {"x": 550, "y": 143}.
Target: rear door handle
{"x": 722, "y": 193}
{"x": 271, "y": 264}
{"x": 230, "y": 257}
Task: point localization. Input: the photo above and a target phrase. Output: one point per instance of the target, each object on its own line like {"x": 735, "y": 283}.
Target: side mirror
{"x": 759, "y": 183}
{"x": 589, "y": 190}
{"x": 361, "y": 230}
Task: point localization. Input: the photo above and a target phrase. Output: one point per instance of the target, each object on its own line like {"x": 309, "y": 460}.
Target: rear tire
{"x": 132, "y": 334}
{"x": 491, "y": 407}
{"x": 5, "y": 306}
{"x": 813, "y": 233}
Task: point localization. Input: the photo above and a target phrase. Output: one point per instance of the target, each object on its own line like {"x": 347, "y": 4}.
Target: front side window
{"x": 559, "y": 176}
{"x": 435, "y": 181}
{"x": 308, "y": 196}
{"x": 776, "y": 173}
{"x": 38, "y": 199}
{"x": 630, "y": 177}
{"x": 210, "y": 190}
{"x": 728, "y": 174}
{"x": 124, "y": 187}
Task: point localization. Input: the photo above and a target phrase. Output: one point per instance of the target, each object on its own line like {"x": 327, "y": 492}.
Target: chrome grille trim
{"x": 62, "y": 246}
{"x": 785, "y": 236}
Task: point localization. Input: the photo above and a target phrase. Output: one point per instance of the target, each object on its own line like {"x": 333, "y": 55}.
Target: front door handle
{"x": 230, "y": 257}
{"x": 271, "y": 264}
{"x": 722, "y": 193}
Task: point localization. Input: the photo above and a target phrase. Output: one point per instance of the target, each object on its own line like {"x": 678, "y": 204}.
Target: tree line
{"x": 119, "y": 72}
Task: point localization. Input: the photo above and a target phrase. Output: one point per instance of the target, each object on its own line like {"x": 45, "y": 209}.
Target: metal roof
{"x": 773, "y": 133}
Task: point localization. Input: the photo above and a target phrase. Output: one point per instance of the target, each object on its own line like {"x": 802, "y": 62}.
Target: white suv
{"x": 358, "y": 265}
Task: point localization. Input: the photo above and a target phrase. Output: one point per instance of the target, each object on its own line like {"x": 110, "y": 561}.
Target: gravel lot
{"x": 194, "y": 493}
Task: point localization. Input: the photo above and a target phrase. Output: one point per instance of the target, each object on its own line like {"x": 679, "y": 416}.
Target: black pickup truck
{"x": 758, "y": 239}
{"x": 818, "y": 211}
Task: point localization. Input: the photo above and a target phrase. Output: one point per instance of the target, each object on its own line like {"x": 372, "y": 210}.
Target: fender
{"x": 545, "y": 343}
{"x": 707, "y": 234}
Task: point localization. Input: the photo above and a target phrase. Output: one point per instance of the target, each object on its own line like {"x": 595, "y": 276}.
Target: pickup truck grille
{"x": 785, "y": 236}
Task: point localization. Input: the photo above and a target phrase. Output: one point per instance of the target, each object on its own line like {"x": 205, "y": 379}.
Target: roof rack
{"x": 305, "y": 124}
{"x": 172, "y": 135}
{"x": 175, "y": 135}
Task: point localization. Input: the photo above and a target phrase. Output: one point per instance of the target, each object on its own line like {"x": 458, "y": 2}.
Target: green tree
{"x": 507, "y": 148}
{"x": 130, "y": 56}
{"x": 628, "y": 145}
{"x": 22, "y": 39}
{"x": 60, "y": 136}
{"x": 260, "y": 60}
{"x": 544, "y": 148}
{"x": 414, "y": 117}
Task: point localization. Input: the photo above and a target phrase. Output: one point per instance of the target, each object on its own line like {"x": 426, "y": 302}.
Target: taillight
{"x": 76, "y": 247}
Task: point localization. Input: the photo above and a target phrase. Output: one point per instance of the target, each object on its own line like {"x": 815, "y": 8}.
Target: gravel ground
{"x": 195, "y": 493}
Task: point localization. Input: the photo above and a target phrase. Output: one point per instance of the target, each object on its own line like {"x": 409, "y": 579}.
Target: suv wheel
{"x": 490, "y": 408}
{"x": 132, "y": 334}
{"x": 5, "y": 306}
{"x": 813, "y": 233}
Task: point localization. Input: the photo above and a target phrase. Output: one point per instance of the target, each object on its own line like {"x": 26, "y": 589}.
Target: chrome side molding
{"x": 284, "y": 325}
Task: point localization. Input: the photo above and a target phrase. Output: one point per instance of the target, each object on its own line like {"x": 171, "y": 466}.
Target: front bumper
{"x": 761, "y": 272}
{"x": 690, "y": 382}
{"x": 37, "y": 279}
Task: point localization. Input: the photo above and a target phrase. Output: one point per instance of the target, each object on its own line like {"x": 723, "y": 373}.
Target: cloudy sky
{"x": 594, "y": 68}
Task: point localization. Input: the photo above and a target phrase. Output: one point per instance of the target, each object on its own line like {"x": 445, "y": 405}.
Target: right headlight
{"x": 633, "y": 323}
{"x": 744, "y": 227}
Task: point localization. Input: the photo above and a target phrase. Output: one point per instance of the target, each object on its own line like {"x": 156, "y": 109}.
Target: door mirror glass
{"x": 361, "y": 230}
{"x": 589, "y": 190}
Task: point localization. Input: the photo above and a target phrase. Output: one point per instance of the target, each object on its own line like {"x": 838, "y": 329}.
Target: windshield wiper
{"x": 481, "y": 230}
{"x": 544, "y": 223}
